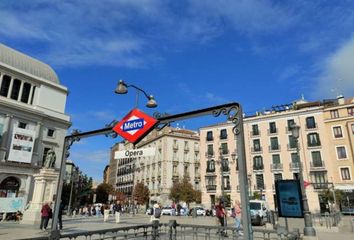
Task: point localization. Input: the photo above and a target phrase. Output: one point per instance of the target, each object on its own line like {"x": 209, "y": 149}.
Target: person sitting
{"x": 18, "y": 216}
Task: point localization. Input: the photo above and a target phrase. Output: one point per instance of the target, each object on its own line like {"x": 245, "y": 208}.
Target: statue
{"x": 50, "y": 159}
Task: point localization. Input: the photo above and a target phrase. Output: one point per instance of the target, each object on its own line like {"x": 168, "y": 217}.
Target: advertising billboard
{"x": 21, "y": 147}
{"x": 289, "y": 198}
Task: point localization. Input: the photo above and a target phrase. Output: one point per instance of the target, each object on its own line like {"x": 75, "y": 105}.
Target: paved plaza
{"x": 11, "y": 230}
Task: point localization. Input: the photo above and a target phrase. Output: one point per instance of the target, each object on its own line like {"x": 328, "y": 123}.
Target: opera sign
{"x": 142, "y": 152}
{"x": 135, "y": 125}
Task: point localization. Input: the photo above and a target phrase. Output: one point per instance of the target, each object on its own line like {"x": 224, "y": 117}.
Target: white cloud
{"x": 92, "y": 157}
{"x": 338, "y": 72}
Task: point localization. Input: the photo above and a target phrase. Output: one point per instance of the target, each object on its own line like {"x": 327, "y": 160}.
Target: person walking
{"x": 105, "y": 213}
{"x": 45, "y": 215}
{"x": 221, "y": 215}
{"x": 117, "y": 208}
{"x": 236, "y": 214}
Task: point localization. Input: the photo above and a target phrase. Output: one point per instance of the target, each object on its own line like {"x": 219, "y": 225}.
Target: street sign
{"x": 141, "y": 152}
{"x": 135, "y": 125}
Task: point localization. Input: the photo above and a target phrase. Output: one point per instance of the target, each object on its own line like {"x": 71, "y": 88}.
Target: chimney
{"x": 340, "y": 99}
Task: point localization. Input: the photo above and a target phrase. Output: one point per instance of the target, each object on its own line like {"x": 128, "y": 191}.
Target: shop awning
{"x": 346, "y": 187}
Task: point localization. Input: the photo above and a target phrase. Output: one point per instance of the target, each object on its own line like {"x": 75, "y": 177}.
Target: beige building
{"x": 271, "y": 153}
{"x": 176, "y": 156}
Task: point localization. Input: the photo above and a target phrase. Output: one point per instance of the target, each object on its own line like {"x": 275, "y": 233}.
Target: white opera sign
{"x": 143, "y": 152}
{"x": 21, "y": 147}
{"x": 9, "y": 205}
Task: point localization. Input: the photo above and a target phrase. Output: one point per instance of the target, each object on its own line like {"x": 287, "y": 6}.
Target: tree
{"x": 328, "y": 194}
{"x": 120, "y": 196}
{"x": 184, "y": 191}
{"x": 141, "y": 193}
{"x": 102, "y": 192}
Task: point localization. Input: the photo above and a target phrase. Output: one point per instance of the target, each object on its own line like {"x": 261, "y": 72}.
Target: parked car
{"x": 184, "y": 212}
{"x": 200, "y": 211}
{"x": 259, "y": 211}
{"x": 168, "y": 211}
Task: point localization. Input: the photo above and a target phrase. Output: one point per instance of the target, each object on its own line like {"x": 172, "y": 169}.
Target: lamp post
{"x": 73, "y": 177}
{"x": 122, "y": 88}
{"x": 308, "y": 229}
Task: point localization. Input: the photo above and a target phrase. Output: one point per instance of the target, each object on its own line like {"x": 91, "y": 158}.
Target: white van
{"x": 259, "y": 211}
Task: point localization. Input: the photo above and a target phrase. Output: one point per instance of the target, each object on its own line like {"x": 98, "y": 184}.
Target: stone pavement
{"x": 10, "y": 230}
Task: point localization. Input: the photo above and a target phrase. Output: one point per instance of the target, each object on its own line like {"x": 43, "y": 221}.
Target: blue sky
{"x": 188, "y": 54}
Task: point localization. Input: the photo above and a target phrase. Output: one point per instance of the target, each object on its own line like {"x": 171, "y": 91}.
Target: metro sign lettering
{"x": 135, "y": 125}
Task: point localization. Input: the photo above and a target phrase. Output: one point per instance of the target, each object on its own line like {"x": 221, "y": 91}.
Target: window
{"x": 5, "y": 86}
{"x": 350, "y": 111}
{"x": 25, "y": 92}
{"x": 345, "y": 173}
{"x": 337, "y": 132}
{"x": 291, "y": 122}
{"x": 34, "y": 90}
{"x": 255, "y": 130}
{"x": 272, "y": 127}
{"x": 223, "y": 134}
{"x": 210, "y": 136}
{"x": 334, "y": 114}
{"x": 225, "y": 165}
{"x": 256, "y": 145}
{"x": 278, "y": 176}
{"x": 226, "y": 180}
{"x": 50, "y": 132}
{"x": 15, "y": 89}
{"x": 224, "y": 149}
{"x": 316, "y": 159}
{"x": 260, "y": 181}
{"x": 292, "y": 141}
{"x": 313, "y": 140}
{"x": 211, "y": 166}
{"x": 294, "y": 158}
{"x": 210, "y": 150}
{"x": 258, "y": 163}
{"x": 341, "y": 152}
{"x": 276, "y": 159}
{"x": 310, "y": 122}
{"x": 22, "y": 125}
{"x": 210, "y": 180}
{"x": 274, "y": 145}
{"x": 319, "y": 180}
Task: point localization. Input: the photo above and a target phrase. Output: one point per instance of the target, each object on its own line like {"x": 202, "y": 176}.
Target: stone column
{"x": 5, "y": 137}
{"x": 37, "y": 149}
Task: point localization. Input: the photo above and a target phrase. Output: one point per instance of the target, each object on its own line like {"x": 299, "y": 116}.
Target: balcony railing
{"x": 294, "y": 166}
{"x": 211, "y": 187}
{"x": 276, "y": 166}
{"x": 320, "y": 185}
{"x": 318, "y": 165}
{"x": 291, "y": 146}
{"x": 209, "y": 154}
{"x": 258, "y": 167}
{"x": 227, "y": 187}
{"x": 256, "y": 150}
{"x": 225, "y": 151}
{"x": 210, "y": 170}
{"x": 274, "y": 148}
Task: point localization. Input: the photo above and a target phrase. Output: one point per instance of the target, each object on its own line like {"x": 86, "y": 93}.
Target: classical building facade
{"x": 32, "y": 120}
{"x": 176, "y": 155}
{"x": 271, "y": 152}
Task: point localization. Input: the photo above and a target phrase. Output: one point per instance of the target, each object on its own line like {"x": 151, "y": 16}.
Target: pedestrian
{"x": 156, "y": 213}
{"x": 236, "y": 214}
{"x": 45, "y": 214}
{"x": 117, "y": 208}
{"x": 221, "y": 215}
{"x": 60, "y": 213}
{"x": 105, "y": 213}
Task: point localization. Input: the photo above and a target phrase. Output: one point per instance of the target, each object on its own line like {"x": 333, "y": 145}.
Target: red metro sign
{"x": 135, "y": 125}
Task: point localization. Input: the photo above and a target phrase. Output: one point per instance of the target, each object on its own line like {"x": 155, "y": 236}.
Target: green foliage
{"x": 184, "y": 191}
{"x": 329, "y": 195}
{"x": 256, "y": 196}
{"x": 102, "y": 192}
{"x": 141, "y": 193}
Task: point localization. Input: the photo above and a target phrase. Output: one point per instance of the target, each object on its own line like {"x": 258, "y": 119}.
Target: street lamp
{"x": 308, "y": 229}
{"x": 122, "y": 88}
{"x": 73, "y": 177}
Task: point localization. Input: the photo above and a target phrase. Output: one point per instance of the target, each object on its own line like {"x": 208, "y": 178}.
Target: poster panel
{"x": 12, "y": 204}
{"x": 21, "y": 147}
{"x": 289, "y": 198}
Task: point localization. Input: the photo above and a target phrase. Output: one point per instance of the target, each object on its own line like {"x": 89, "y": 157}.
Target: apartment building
{"x": 176, "y": 157}
{"x": 271, "y": 153}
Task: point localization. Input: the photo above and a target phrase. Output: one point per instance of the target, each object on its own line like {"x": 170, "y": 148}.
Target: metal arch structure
{"x": 234, "y": 114}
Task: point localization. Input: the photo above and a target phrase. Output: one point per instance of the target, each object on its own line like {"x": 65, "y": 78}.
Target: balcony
{"x": 225, "y": 169}
{"x": 209, "y": 154}
{"x": 210, "y": 170}
{"x": 276, "y": 167}
{"x": 260, "y": 187}
{"x": 274, "y": 148}
{"x": 211, "y": 188}
{"x": 255, "y": 133}
{"x": 291, "y": 147}
{"x": 256, "y": 150}
{"x": 294, "y": 166}
{"x": 272, "y": 131}
{"x": 317, "y": 166}
{"x": 320, "y": 186}
{"x": 258, "y": 167}
{"x": 224, "y": 151}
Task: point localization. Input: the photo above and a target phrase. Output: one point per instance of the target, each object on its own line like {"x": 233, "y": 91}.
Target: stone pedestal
{"x": 45, "y": 185}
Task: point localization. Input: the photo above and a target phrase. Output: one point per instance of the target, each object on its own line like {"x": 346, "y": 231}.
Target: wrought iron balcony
{"x": 211, "y": 188}
{"x": 291, "y": 147}
{"x": 320, "y": 185}
{"x": 274, "y": 148}
{"x": 227, "y": 187}
{"x": 276, "y": 166}
{"x": 209, "y": 154}
{"x": 260, "y": 187}
{"x": 256, "y": 149}
{"x": 294, "y": 166}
